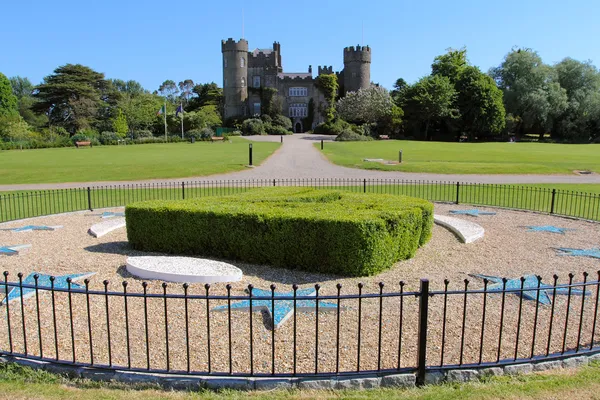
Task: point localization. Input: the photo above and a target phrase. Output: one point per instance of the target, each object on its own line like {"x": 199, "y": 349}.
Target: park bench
{"x": 81, "y": 144}
{"x": 216, "y": 138}
{"x": 383, "y": 137}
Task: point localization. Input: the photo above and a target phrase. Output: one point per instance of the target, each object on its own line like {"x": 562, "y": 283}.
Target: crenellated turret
{"x": 357, "y": 68}
{"x": 235, "y": 75}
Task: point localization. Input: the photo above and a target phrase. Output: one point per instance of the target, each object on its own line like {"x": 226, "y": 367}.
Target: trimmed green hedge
{"x": 310, "y": 229}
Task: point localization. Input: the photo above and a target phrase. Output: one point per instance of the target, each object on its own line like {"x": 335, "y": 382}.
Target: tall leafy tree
{"x": 207, "y": 94}
{"x": 450, "y": 64}
{"x": 130, "y": 87}
{"x": 532, "y": 95}
{"x": 8, "y": 101}
{"x": 369, "y": 105}
{"x": 328, "y": 85}
{"x": 168, "y": 89}
{"x": 140, "y": 111}
{"x": 185, "y": 87}
{"x": 479, "y": 102}
{"x": 71, "y": 96}
{"x": 429, "y": 100}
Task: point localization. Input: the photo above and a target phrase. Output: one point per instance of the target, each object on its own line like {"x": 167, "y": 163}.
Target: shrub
{"x": 311, "y": 229}
{"x": 79, "y": 137}
{"x": 253, "y": 126}
{"x": 207, "y": 134}
{"x": 234, "y": 133}
{"x": 142, "y": 133}
{"x": 193, "y": 133}
{"x": 333, "y": 128}
{"x": 277, "y": 130}
{"x": 109, "y": 138}
{"x": 283, "y": 121}
{"x": 266, "y": 119}
{"x": 351, "y": 136}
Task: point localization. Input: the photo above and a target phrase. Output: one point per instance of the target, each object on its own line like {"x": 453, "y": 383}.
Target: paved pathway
{"x": 299, "y": 159}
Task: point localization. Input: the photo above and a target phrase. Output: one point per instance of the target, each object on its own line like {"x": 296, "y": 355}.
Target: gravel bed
{"x": 506, "y": 250}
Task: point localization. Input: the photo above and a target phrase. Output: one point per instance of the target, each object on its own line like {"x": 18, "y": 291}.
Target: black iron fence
{"x": 20, "y": 205}
{"x": 194, "y": 329}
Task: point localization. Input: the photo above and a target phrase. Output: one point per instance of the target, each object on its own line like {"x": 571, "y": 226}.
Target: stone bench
{"x": 82, "y": 144}
{"x": 102, "y": 228}
{"x": 466, "y": 231}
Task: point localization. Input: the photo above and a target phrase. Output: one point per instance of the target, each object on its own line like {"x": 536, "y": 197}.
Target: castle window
{"x": 298, "y": 92}
{"x": 242, "y": 62}
{"x": 224, "y": 62}
{"x": 256, "y": 109}
{"x": 298, "y": 110}
{"x": 256, "y": 81}
{"x": 243, "y": 82}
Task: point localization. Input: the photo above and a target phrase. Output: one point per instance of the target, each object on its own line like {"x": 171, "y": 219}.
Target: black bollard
{"x": 321, "y": 144}
{"x": 250, "y": 154}
{"x": 281, "y": 138}
{"x": 400, "y": 156}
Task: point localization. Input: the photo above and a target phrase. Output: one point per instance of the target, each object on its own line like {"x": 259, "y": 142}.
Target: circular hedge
{"x": 321, "y": 230}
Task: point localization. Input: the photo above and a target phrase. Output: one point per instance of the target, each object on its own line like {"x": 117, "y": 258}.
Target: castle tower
{"x": 357, "y": 68}
{"x": 235, "y": 76}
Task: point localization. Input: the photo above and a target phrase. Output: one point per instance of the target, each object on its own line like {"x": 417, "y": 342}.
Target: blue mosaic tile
{"x": 547, "y": 228}
{"x": 29, "y": 228}
{"x": 284, "y": 309}
{"x": 60, "y": 282}
{"x": 13, "y": 250}
{"x": 474, "y": 212}
{"x": 531, "y": 283}
{"x": 594, "y": 253}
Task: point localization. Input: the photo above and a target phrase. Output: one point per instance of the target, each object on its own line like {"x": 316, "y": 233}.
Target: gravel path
{"x": 506, "y": 250}
{"x": 299, "y": 159}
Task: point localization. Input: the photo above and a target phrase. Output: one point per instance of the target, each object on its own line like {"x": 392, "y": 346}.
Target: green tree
{"x": 479, "y": 102}
{"x": 23, "y": 89}
{"x": 186, "y": 87}
{"x": 450, "y": 64}
{"x": 140, "y": 111}
{"x": 131, "y": 87}
{"x": 207, "y": 94}
{"x": 580, "y": 122}
{"x": 430, "y": 99}
{"x": 8, "y": 101}
{"x": 328, "y": 85}
{"x": 71, "y": 96}
{"x": 169, "y": 91}
{"x": 119, "y": 124}
{"x": 532, "y": 94}
{"x": 369, "y": 105}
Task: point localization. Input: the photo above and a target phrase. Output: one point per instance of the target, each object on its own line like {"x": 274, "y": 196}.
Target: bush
{"x": 234, "y": 133}
{"x": 266, "y": 119}
{"x": 109, "y": 138}
{"x": 79, "y": 137}
{"x": 334, "y": 128}
{"x": 351, "y": 136}
{"x": 283, "y": 121}
{"x": 253, "y": 126}
{"x": 142, "y": 133}
{"x": 277, "y": 130}
{"x": 319, "y": 230}
{"x": 194, "y": 133}
{"x": 206, "y": 134}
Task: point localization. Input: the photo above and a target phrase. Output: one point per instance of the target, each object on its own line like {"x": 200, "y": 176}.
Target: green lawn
{"x": 467, "y": 158}
{"x": 134, "y": 162}
{"x": 23, "y": 383}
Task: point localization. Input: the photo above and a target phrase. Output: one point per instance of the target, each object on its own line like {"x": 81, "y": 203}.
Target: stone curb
{"x": 367, "y": 381}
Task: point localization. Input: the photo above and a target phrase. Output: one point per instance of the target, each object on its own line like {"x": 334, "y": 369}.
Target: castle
{"x": 247, "y": 73}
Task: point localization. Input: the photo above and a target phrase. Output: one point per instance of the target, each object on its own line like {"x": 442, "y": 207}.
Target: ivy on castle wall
{"x": 328, "y": 85}
{"x": 308, "y": 121}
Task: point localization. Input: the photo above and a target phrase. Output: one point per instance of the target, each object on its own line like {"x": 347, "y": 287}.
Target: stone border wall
{"x": 357, "y": 382}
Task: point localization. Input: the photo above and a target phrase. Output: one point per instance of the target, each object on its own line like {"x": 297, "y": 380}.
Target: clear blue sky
{"x": 151, "y": 41}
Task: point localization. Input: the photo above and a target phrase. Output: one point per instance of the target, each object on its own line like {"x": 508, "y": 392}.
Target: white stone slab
{"x": 102, "y": 228}
{"x": 467, "y": 231}
{"x": 183, "y": 269}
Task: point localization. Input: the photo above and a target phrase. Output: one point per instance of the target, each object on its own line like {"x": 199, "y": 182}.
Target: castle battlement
{"x": 325, "y": 70}
{"x": 232, "y": 45}
{"x": 358, "y": 53}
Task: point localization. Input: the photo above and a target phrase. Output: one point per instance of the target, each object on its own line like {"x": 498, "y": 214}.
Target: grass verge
{"x": 135, "y": 162}
{"x": 466, "y": 158}
{"x": 18, "y": 382}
